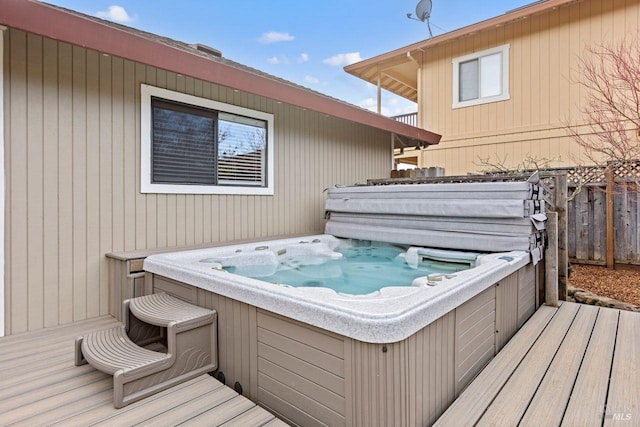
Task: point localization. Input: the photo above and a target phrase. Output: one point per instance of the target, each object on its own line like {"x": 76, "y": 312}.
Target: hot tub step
{"x": 111, "y": 350}
{"x": 191, "y": 340}
{"x": 162, "y": 309}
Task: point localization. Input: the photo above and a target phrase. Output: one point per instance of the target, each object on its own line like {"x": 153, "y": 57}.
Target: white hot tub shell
{"x": 316, "y": 357}
{"x": 389, "y": 315}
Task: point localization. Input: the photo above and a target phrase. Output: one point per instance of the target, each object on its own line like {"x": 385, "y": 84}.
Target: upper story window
{"x": 481, "y": 77}
{"x": 194, "y": 145}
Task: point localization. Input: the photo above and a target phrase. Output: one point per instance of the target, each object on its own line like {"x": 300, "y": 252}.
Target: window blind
{"x": 183, "y": 144}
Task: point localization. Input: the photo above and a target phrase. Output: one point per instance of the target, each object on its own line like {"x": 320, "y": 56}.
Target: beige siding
{"x": 526, "y": 294}
{"x": 507, "y": 309}
{"x": 408, "y": 383}
{"x": 237, "y": 340}
{"x": 73, "y": 176}
{"x": 475, "y": 337}
{"x": 544, "y": 72}
{"x": 301, "y": 374}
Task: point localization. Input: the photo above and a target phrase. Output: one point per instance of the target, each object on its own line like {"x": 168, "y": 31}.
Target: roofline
{"x": 500, "y": 20}
{"x": 51, "y": 22}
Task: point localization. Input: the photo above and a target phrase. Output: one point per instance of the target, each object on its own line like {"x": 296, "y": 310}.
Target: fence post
{"x": 610, "y": 178}
{"x": 561, "y": 197}
{"x": 551, "y": 261}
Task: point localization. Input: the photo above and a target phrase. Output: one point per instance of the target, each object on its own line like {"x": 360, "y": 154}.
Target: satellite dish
{"x": 423, "y": 10}
{"x": 423, "y": 13}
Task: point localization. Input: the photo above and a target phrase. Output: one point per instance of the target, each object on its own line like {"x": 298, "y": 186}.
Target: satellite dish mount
{"x": 423, "y": 13}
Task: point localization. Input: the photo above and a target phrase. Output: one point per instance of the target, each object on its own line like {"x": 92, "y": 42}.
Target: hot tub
{"x": 300, "y": 335}
{"x": 385, "y": 315}
{"x": 320, "y": 356}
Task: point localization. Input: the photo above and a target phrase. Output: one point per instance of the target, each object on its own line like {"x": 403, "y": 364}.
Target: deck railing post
{"x": 561, "y": 197}
{"x": 551, "y": 261}
{"x": 610, "y": 178}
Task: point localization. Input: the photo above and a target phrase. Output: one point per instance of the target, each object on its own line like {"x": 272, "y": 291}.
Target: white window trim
{"x": 504, "y": 49}
{"x": 146, "y": 186}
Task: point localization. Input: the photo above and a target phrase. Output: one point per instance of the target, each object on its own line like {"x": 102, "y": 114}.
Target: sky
{"x": 307, "y": 42}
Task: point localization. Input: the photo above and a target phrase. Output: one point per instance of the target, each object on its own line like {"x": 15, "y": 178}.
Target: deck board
{"x": 221, "y": 414}
{"x": 513, "y": 399}
{"x": 25, "y": 385}
{"x": 64, "y": 411}
{"x": 105, "y": 413}
{"x": 59, "y": 333}
{"x": 253, "y": 416}
{"x": 590, "y": 390}
{"x": 39, "y": 385}
{"x": 10, "y": 378}
{"x": 214, "y": 399}
{"x": 578, "y": 369}
{"x": 548, "y": 405}
{"x": 481, "y": 392}
{"x": 622, "y": 401}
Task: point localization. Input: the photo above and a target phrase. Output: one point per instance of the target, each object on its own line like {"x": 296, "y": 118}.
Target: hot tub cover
{"x": 487, "y": 217}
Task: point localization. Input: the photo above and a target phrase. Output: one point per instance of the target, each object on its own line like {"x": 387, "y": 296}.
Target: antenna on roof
{"x": 423, "y": 13}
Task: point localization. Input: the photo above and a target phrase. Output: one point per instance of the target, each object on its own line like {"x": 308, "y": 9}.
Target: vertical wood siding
{"x": 507, "y": 308}
{"x": 544, "y": 89}
{"x": 407, "y": 383}
{"x": 526, "y": 294}
{"x": 475, "y": 342}
{"x": 237, "y": 340}
{"x": 73, "y": 176}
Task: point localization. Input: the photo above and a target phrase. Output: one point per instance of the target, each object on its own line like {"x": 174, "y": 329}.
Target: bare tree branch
{"x": 529, "y": 163}
{"x": 611, "y": 75}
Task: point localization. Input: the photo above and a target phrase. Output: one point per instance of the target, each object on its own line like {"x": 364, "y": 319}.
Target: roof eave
{"x": 47, "y": 21}
{"x": 359, "y": 68}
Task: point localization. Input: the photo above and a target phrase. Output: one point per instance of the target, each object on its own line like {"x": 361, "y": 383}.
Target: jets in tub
{"x": 352, "y": 267}
{"x": 342, "y": 285}
{"x": 263, "y": 261}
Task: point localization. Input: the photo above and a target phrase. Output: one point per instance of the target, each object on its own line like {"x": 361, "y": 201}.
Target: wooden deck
{"x": 39, "y": 385}
{"x": 577, "y": 365}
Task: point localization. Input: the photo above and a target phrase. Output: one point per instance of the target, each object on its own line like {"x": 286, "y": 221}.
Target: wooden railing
{"x": 409, "y": 119}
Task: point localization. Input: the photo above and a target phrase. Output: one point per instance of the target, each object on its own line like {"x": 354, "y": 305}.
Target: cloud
{"x": 116, "y": 13}
{"x": 304, "y": 57}
{"x": 312, "y": 80}
{"x": 343, "y": 59}
{"x": 391, "y": 106}
{"x": 275, "y": 37}
{"x": 369, "y": 104}
{"x": 277, "y": 60}
{"x": 408, "y": 108}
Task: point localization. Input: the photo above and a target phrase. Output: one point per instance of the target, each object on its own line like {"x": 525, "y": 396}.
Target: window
{"x": 197, "y": 146}
{"x": 481, "y": 77}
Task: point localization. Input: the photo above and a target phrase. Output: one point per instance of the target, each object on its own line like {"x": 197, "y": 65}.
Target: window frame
{"x": 146, "y": 132}
{"x": 505, "y": 95}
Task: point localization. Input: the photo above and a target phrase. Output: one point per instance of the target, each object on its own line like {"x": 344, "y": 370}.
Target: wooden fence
{"x": 603, "y": 220}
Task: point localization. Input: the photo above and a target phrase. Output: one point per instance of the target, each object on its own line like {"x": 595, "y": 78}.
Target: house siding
{"x": 544, "y": 89}
{"x": 72, "y": 132}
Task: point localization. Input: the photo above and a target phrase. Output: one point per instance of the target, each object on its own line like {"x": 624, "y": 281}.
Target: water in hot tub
{"x": 360, "y": 270}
